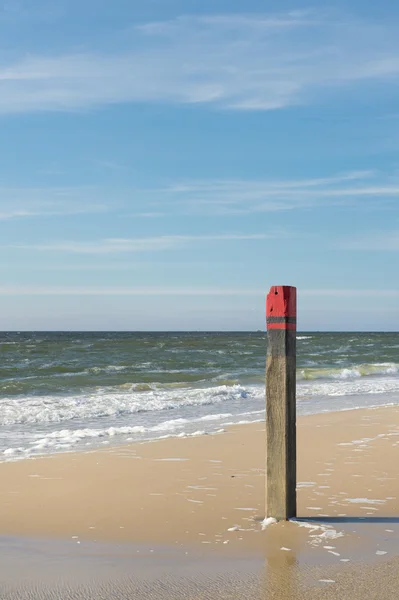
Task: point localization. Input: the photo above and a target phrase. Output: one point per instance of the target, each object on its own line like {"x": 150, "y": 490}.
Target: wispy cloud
{"x": 19, "y": 203}
{"x": 148, "y": 244}
{"x": 64, "y": 291}
{"x": 15, "y": 214}
{"x": 48, "y": 211}
{"x": 368, "y": 189}
{"x": 241, "y": 62}
{"x": 147, "y": 215}
{"x": 239, "y": 197}
{"x": 350, "y": 293}
{"x": 387, "y": 241}
{"x": 75, "y": 268}
{"x": 186, "y": 291}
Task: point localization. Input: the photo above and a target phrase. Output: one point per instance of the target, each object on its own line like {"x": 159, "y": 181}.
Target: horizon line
{"x": 304, "y": 331}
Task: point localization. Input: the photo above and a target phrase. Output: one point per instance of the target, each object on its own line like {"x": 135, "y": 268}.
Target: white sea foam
{"x": 171, "y": 425}
{"x": 172, "y": 460}
{"x": 319, "y": 533}
{"x": 305, "y": 484}
{"x": 109, "y": 402}
{"x": 73, "y": 436}
{"x": 53, "y": 424}
{"x": 349, "y": 387}
{"x": 216, "y": 417}
{"x": 67, "y": 439}
{"x": 267, "y": 522}
{"x": 129, "y": 399}
{"x": 107, "y": 369}
{"x": 354, "y": 372}
{"x": 364, "y": 501}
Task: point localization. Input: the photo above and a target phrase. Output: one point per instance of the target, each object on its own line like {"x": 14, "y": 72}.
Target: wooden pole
{"x": 281, "y": 403}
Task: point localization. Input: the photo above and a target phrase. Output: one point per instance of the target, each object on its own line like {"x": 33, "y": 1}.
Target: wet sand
{"x": 201, "y": 501}
{"x": 32, "y": 570}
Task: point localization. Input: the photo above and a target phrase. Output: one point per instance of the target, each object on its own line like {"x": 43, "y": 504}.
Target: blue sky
{"x": 163, "y": 163}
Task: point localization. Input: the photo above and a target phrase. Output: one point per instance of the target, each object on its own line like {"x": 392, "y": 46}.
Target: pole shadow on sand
{"x": 332, "y": 520}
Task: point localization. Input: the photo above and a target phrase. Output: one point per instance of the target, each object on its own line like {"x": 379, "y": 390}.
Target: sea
{"x": 63, "y": 392}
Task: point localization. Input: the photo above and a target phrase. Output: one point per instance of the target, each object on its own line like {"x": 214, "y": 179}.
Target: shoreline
{"x": 220, "y": 477}
{"x": 197, "y": 427}
{"x": 182, "y": 517}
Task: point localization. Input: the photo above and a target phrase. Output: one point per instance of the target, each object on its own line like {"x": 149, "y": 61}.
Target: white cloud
{"x": 54, "y": 291}
{"x": 115, "y": 266}
{"x": 235, "y": 197}
{"x": 49, "y": 212}
{"x": 350, "y": 293}
{"x": 381, "y": 241}
{"x": 207, "y": 197}
{"x": 188, "y": 291}
{"x": 149, "y": 244}
{"x": 242, "y": 62}
{"x": 19, "y": 203}
{"x": 148, "y": 215}
{"x": 15, "y": 214}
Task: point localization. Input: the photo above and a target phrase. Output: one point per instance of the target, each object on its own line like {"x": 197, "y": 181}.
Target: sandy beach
{"x": 204, "y": 497}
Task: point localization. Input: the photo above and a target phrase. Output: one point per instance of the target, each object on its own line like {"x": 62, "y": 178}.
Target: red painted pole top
{"x": 281, "y": 301}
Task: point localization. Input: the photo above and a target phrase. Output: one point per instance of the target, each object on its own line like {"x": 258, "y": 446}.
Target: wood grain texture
{"x": 280, "y": 438}
{"x": 281, "y": 411}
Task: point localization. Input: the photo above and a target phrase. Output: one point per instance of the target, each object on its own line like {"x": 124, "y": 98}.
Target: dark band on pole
{"x": 281, "y": 320}
{"x": 281, "y": 323}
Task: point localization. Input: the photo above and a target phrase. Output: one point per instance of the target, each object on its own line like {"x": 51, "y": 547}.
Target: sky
{"x": 163, "y": 163}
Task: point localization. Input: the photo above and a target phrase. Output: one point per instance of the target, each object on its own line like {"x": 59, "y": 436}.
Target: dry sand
{"x": 188, "y": 493}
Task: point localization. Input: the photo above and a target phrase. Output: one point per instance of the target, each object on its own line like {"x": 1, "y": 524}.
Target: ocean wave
{"x": 106, "y": 369}
{"x": 215, "y": 417}
{"x": 226, "y": 381}
{"x": 69, "y": 439}
{"x": 132, "y": 398}
{"x": 108, "y": 402}
{"x": 352, "y": 372}
{"x": 354, "y": 387}
{"x": 73, "y": 436}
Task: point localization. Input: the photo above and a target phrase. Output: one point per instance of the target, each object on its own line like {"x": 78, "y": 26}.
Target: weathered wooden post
{"x": 281, "y": 403}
